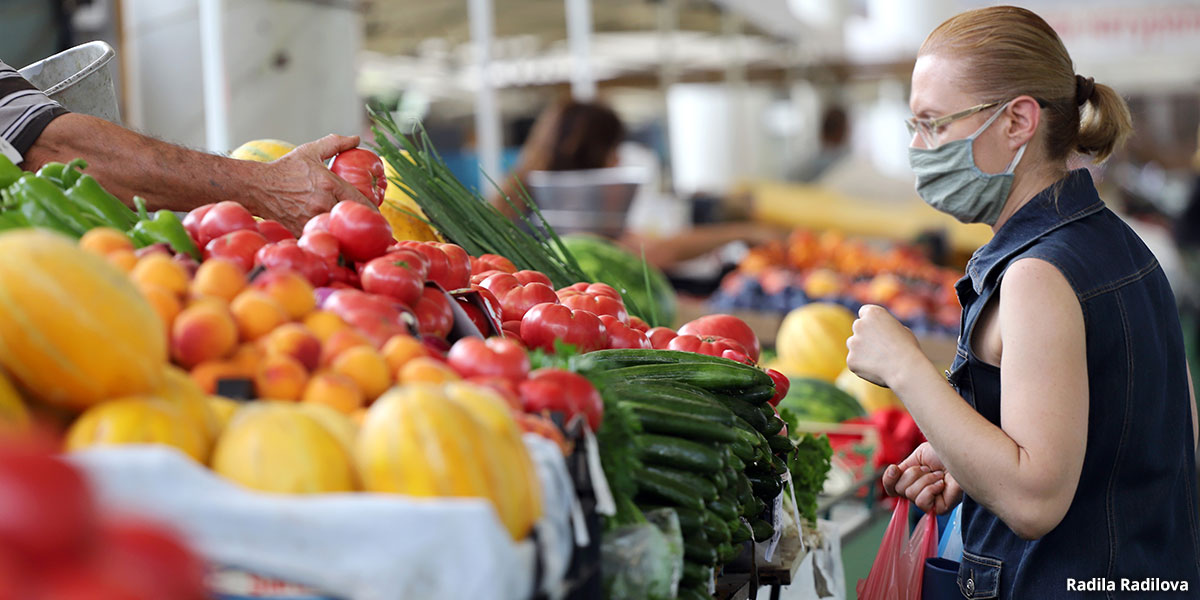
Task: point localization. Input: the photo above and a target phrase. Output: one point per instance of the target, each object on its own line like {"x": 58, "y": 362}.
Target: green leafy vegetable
{"x": 809, "y": 465}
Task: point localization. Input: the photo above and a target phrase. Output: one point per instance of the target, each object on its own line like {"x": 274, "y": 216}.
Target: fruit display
{"x": 831, "y": 268}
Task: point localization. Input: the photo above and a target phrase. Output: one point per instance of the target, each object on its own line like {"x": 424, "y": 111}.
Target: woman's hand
{"x": 923, "y": 479}
{"x": 880, "y": 346}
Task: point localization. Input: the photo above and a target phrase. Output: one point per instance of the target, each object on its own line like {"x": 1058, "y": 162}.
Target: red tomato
{"x": 434, "y": 314}
{"x": 191, "y": 221}
{"x": 477, "y": 277}
{"x": 621, "y": 335}
{"x": 512, "y": 331}
{"x": 47, "y": 515}
{"x": 318, "y": 223}
{"x": 494, "y": 357}
{"x": 527, "y": 277}
{"x": 238, "y": 247}
{"x": 289, "y": 255}
{"x": 340, "y": 276}
{"x": 597, "y": 305}
{"x": 726, "y": 326}
{"x": 95, "y": 579}
{"x": 736, "y": 356}
{"x": 458, "y": 264}
{"x": 363, "y": 170}
{"x": 515, "y": 298}
{"x": 492, "y": 262}
{"x": 590, "y": 289}
{"x": 548, "y": 322}
{"x": 712, "y": 346}
{"x": 362, "y": 233}
{"x": 660, "y": 337}
{"x": 505, "y": 388}
{"x": 274, "y": 231}
{"x": 556, "y": 390}
{"x": 478, "y": 319}
{"x": 638, "y": 324}
{"x": 377, "y": 325}
{"x": 224, "y": 217}
{"x": 146, "y": 552}
{"x": 493, "y": 309}
{"x": 322, "y": 244}
{"x": 393, "y": 277}
{"x": 782, "y": 385}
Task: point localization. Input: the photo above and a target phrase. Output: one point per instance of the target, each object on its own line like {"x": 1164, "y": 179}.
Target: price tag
{"x": 10, "y": 152}
{"x": 787, "y": 478}
{"x": 777, "y": 523}
{"x": 605, "y": 504}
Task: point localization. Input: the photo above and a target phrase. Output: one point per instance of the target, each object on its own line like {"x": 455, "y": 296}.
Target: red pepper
{"x": 546, "y": 323}
{"x": 782, "y": 385}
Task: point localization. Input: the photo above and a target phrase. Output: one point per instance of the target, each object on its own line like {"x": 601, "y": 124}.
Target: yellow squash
{"x": 262, "y": 150}
{"x": 432, "y": 440}
{"x": 277, "y": 447}
{"x": 73, "y": 329}
{"x": 137, "y": 420}
{"x": 180, "y": 389}
{"x": 812, "y": 341}
{"x": 396, "y": 202}
{"x": 13, "y": 414}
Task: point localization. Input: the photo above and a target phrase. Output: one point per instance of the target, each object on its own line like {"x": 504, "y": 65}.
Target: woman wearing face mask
{"x": 1074, "y": 451}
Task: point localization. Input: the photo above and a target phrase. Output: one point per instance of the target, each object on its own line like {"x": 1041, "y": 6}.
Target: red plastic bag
{"x": 900, "y": 564}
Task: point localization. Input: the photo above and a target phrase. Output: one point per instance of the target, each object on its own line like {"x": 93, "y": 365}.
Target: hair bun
{"x": 1084, "y": 88}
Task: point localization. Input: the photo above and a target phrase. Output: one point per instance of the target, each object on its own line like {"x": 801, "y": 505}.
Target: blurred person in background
{"x": 1066, "y": 425}
{"x": 834, "y": 140}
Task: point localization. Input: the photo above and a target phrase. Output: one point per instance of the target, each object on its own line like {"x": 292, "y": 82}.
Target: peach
{"x": 257, "y": 314}
{"x": 158, "y": 268}
{"x": 208, "y": 373}
{"x": 366, "y": 367}
{"x": 202, "y": 332}
{"x": 104, "y": 241}
{"x": 399, "y": 349}
{"x": 164, "y": 302}
{"x": 220, "y": 278}
{"x": 280, "y": 377}
{"x": 296, "y": 341}
{"x": 324, "y": 324}
{"x": 339, "y": 342}
{"x": 334, "y": 390}
{"x": 424, "y": 369}
{"x": 291, "y": 290}
{"x": 125, "y": 260}
{"x": 247, "y": 357}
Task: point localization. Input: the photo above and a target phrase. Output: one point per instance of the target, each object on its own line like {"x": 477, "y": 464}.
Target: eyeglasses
{"x": 928, "y": 128}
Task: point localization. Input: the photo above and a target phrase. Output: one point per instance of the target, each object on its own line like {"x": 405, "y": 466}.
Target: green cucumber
{"x": 780, "y": 444}
{"x": 694, "y": 573}
{"x": 756, "y": 394}
{"x": 615, "y": 359}
{"x": 715, "y": 529}
{"x": 700, "y": 487}
{"x": 679, "y": 453}
{"x": 699, "y": 552}
{"x": 690, "y": 519}
{"x": 774, "y": 423}
{"x": 766, "y": 487}
{"x": 694, "y": 592}
{"x": 739, "y": 531}
{"x": 719, "y": 480}
{"x": 727, "y": 552}
{"x": 721, "y": 416}
{"x": 749, "y": 414}
{"x": 742, "y": 448}
{"x": 724, "y": 508}
{"x": 661, "y": 420}
{"x": 761, "y": 530}
{"x": 730, "y": 377}
{"x": 649, "y": 392}
{"x": 668, "y": 489}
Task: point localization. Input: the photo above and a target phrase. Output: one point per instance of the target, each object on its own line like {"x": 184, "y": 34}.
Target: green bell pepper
{"x": 87, "y": 194}
{"x": 64, "y": 176}
{"x": 8, "y": 172}
{"x": 165, "y": 227}
{"x": 44, "y": 205}
{"x": 12, "y": 220}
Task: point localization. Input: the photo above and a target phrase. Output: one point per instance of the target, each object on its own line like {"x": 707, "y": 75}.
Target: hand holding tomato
{"x": 364, "y": 170}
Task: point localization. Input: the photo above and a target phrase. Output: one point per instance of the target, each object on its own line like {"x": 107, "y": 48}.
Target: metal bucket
{"x": 591, "y": 201}
{"x": 79, "y": 80}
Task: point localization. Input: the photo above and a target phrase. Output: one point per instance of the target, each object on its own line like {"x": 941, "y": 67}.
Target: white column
{"x": 487, "y": 112}
{"x": 579, "y": 40}
{"x": 216, "y": 84}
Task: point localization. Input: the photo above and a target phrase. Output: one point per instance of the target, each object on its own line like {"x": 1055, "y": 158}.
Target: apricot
{"x": 208, "y": 373}
{"x": 334, "y": 390}
{"x": 220, "y": 278}
{"x": 280, "y": 378}
{"x": 366, "y": 367}
{"x": 424, "y": 369}
{"x": 324, "y": 324}
{"x": 256, "y": 314}
{"x": 202, "y": 332}
{"x": 104, "y": 241}
{"x": 158, "y": 268}
{"x": 296, "y": 341}
{"x": 125, "y": 260}
{"x": 290, "y": 289}
{"x": 339, "y": 342}
{"x": 247, "y": 357}
{"x": 163, "y": 301}
{"x": 399, "y": 349}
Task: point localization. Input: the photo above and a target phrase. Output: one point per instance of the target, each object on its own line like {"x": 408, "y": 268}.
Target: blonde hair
{"x": 1009, "y": 52}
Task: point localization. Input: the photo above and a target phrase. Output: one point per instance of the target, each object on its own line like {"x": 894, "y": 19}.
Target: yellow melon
{"x": 277, "y": 447}
{"x": 137, "y": 420}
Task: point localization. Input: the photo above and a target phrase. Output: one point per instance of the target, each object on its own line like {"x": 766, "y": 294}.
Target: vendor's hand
{"x": 923, "y": 479}
{"x": 298, "y": 185}
{"x": 880, "y": 345}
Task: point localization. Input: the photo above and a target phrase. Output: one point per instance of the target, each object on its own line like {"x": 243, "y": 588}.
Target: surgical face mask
{"x": 949, "y": 180}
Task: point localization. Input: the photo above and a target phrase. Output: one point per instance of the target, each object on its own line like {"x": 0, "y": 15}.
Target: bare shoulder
{"x": 1038, "y": 291}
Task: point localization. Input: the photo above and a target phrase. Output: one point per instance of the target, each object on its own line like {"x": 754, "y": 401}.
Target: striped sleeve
{"x": 24, "y": 111}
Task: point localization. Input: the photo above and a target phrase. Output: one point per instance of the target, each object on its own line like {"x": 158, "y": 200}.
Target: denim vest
{"x": 1132, "y": 524}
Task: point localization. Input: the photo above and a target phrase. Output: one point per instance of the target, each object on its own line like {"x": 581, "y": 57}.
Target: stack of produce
{"x": 828, "y": 267}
